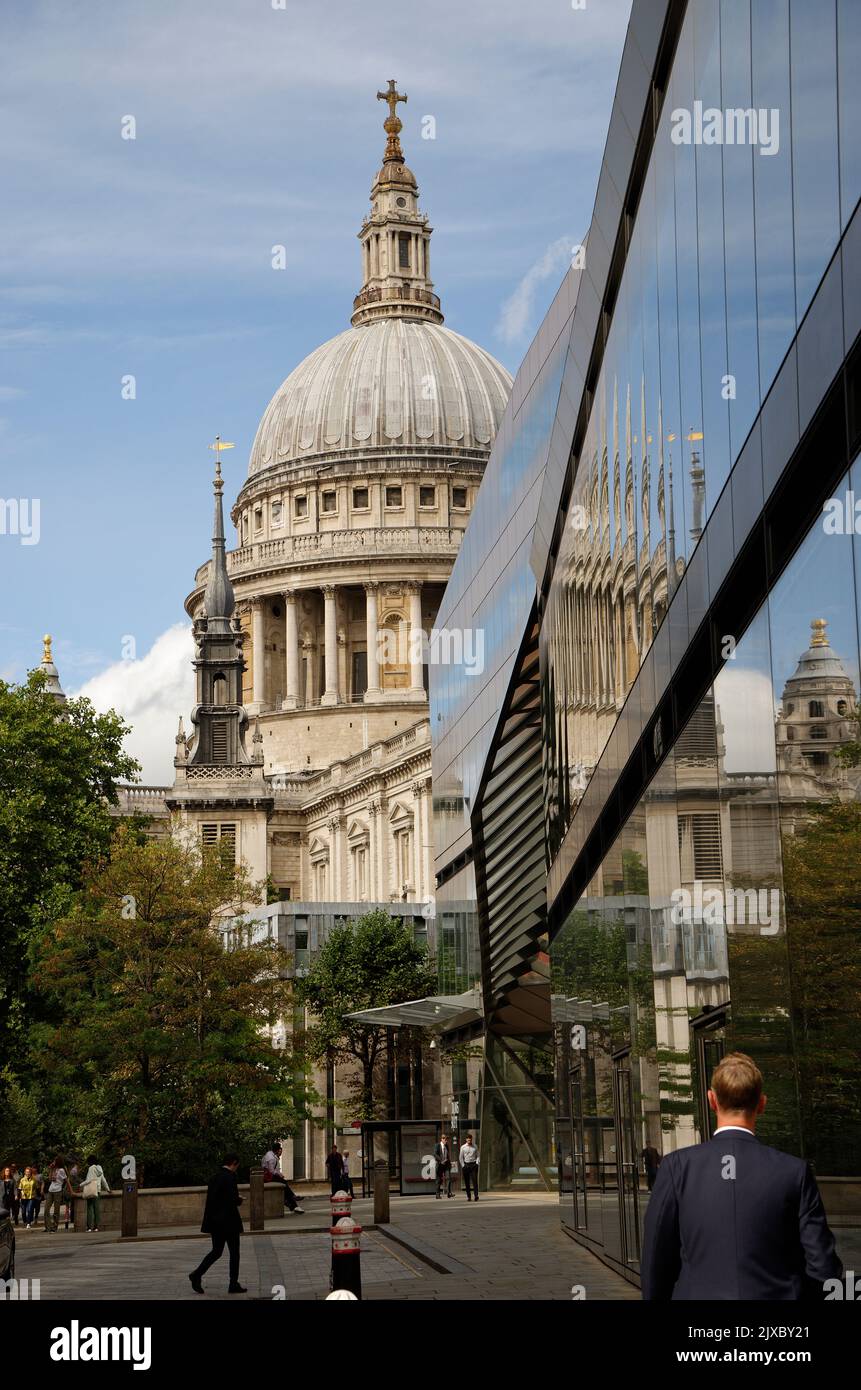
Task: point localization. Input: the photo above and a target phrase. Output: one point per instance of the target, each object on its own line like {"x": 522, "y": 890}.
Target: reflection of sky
{"x": 819, "y": 583}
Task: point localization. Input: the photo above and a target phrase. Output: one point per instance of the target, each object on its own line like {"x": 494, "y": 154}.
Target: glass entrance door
{"x": 709, "y": 1034}
{"x": 627, "y": 1159}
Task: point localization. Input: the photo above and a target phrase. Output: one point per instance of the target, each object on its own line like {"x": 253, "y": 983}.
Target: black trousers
{"x": 470, "y": 1178}
{"x": 443, "y": 1176}
{"x": 290, "y": 1200}
{"x": 219, "y": 1240}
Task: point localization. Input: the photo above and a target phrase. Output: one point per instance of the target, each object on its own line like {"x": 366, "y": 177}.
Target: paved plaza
{"x": 506, "y": 1247}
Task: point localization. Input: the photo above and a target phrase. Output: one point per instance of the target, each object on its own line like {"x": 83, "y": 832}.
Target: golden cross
{"x": 392, "y": 96}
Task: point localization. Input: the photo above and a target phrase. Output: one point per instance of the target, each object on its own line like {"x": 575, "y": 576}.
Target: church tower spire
{"x": 395, "y": 237}
{"x": 218, "y": 717}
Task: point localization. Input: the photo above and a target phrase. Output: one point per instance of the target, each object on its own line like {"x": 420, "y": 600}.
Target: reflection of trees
{"x": 822, "y": 882}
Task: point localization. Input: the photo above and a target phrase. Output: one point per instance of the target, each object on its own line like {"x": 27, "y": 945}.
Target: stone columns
{"x": 416, "y": 640}
{"x": 309, "y": 652}
{"x": 291, "y": 631}
{"x": 258, "y": 656}
{"x": 372, "y": 694}
{"x": 418, "y": 846}
{"x": 335, "y": 859}
{"x": 330, "y": 694}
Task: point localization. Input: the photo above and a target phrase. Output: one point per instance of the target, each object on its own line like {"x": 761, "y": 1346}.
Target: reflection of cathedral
{"x": 818, "y": 714}
{"x": 618, "y": 568}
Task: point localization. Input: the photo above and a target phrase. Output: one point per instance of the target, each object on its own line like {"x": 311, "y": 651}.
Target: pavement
{"x": 505, "y": 1247}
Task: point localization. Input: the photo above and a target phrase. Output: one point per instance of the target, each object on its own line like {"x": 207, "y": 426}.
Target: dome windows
{"x": 300, "y": 505}
{"x": 329, "y": 500}
{"x": 459, "y": 499}
{"x": 394, "y": 496}
{"x": 427, "y": 495}
{"x": 277, "y": 513}
{"x": 361, "y": 501}
{"x": 816, "y": 709}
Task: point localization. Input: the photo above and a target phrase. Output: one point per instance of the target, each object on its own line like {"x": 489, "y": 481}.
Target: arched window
{"x": 219, "y": 689}
{"x": 842, "y": 707}
{"x": 816, "y": 709}
{"x": 403, "y": 251}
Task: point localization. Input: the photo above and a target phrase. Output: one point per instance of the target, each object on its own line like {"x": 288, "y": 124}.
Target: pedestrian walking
{"x": 94, "y": 1184}
{"x": 651, "y": 1163}
{"x": 335, "y": 1169}
{"x": 27, "y": 1188}
{"x": 223, "y": 1224}
{"x": 469, "y": 1167}
{"x": 272, "y": 1173}
{"x": 58, "y": 1186}
{"x": 9, "y": 1189}
{"x": 442, "y": 1158}
{"x": 16, "y": 1199}
{"x": 345, "y": 1174}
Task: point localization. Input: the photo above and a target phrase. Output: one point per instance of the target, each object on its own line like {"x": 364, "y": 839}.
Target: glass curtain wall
{"x": 727, "y": 915}
{"x": 730, "y": 241}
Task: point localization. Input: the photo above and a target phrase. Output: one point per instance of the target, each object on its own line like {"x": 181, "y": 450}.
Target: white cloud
{"x": 518, "y": 313}
{"x": 746, "y": 706}
{"x": 150, "y": 694}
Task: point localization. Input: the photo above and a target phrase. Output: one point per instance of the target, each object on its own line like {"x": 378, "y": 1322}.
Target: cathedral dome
{"x": 388, "y": 382}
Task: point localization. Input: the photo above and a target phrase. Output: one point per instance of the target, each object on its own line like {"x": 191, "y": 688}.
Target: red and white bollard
{"x": 346, "y": 1250}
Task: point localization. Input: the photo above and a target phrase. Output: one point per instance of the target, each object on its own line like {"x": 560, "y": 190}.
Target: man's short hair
{"x": 737, "y": 1082}
{"x": 229, "y": 1159}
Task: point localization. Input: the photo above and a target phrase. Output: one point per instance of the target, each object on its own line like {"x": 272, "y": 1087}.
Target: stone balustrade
{"x": 322, "y": 545}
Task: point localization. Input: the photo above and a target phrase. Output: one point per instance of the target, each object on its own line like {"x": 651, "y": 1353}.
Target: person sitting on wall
{"x": 732, "y": 1218}
{"x": 272, "y": 1173}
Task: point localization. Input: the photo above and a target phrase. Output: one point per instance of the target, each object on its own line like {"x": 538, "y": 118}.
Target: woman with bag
{"x": 94, "y": 1184}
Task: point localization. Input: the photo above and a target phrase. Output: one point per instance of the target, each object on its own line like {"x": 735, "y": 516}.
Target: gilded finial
{"x": 817, "y": 628}
{"x": 219, "y": 444}
{"x": 46, "y": 648}
{"x": 392, "y": 125}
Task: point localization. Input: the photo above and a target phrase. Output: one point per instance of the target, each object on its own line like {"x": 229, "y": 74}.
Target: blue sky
{"x": 255, "y": 126}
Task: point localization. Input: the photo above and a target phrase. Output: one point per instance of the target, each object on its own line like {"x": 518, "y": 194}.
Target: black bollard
{"x": 130, "y": 1207}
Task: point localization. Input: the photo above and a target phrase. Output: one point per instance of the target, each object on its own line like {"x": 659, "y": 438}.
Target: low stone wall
{"x": 174, "y": 1206}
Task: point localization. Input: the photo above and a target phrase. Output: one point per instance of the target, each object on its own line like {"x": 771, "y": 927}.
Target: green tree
{"x": 163, "y": 1048}
{"x": 364, "y": 964}
{"x": 59, "y": 767}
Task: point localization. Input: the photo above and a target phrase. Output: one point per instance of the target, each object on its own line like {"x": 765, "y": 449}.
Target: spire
{"x": 395, "y": 237}
{"x": 218, "y": 600}
{"x": 49, "y": 670}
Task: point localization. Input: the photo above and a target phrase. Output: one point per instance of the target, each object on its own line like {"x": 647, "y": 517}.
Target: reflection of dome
{"x": 820, "y": 661}
{"x": 391, "y": 382}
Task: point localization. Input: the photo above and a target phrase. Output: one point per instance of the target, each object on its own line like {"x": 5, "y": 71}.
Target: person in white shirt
{"x": 58, "y": 1184}
{"x": 272, "y": 1173}
{"x": 469, "y": 1167}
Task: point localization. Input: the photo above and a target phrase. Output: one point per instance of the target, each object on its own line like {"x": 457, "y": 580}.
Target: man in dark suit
{"x": 442, "y": 1158}
{"x": 732, "y": 1218}
{"x": 221, "y": 1221}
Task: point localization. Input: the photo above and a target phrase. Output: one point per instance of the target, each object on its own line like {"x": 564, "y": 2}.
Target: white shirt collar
{"x": 743, "y": 1129}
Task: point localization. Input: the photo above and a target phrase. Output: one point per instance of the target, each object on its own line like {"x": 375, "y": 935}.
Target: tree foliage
{"x": 160, "y": 1048}
{"x": 365, "y": 964}
{"x": 58, "y": 775}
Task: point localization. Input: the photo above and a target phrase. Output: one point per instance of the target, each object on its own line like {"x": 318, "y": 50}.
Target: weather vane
{"x": 218, "y": 446}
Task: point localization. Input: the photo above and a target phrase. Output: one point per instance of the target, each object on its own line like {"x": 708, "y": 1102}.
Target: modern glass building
{"x": 656, "y": 806}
